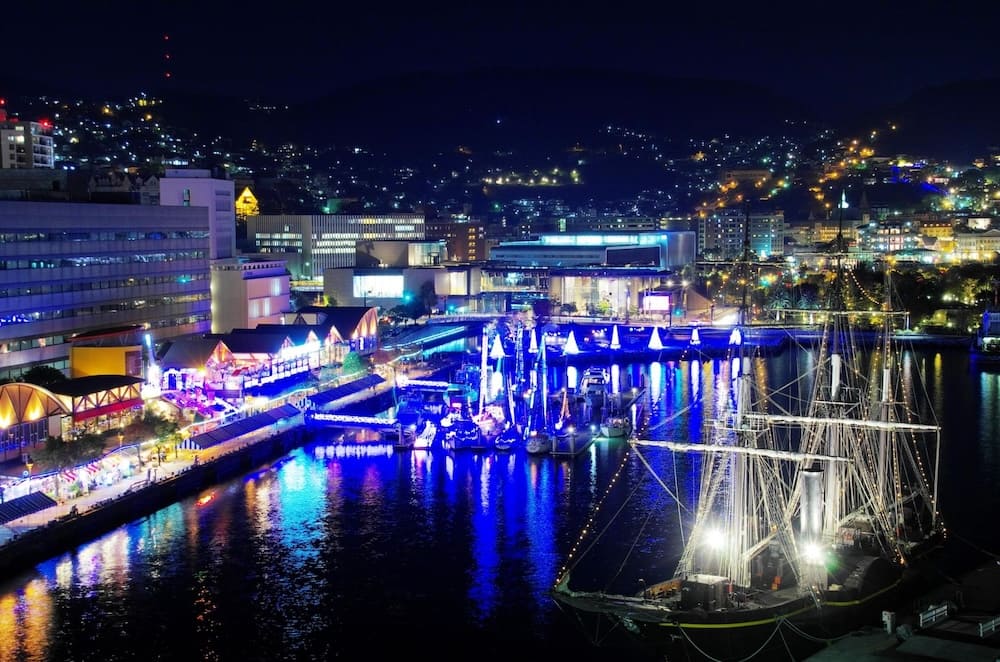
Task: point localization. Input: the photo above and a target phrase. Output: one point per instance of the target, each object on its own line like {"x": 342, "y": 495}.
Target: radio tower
{"x": 167, "y": 74}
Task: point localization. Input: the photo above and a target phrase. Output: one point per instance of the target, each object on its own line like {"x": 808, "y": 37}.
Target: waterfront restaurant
{"x": 29, "y": 413}
{"x": 342, "y": 329}
{"x": 193, "y": 372}
{"x": 263, "y": 356}
{"x": 227, "y": 365}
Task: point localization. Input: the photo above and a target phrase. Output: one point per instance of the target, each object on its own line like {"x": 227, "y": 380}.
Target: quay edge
{"x": 65, "y": 533}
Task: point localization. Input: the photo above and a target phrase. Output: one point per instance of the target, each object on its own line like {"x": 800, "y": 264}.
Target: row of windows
{"x": 24, "y": 344}
{"x": 100, "y": 309}
{"x": 181, "y": 321}
{"x": 20, "y": 436}
{"x": 278, "y": 243}
{"x": 25, "y": 237}
{"x": 15, "y": 373}
{"x": 90, "y": 285}
{"x": 99, "y": 260}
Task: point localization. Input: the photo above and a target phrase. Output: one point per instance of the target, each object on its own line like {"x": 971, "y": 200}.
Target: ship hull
{"x": 797, "y": 626}
{"x": 780, "y": 623}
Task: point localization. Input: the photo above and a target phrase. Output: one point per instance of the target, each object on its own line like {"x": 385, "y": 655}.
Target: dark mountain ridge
{"x": 952, "y": 122}
{"x": 528, "y": 110}
{"x": 536, "y": 112}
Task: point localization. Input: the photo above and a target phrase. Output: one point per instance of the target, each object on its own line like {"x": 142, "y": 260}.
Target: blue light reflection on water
{"x": 337, "y": 551}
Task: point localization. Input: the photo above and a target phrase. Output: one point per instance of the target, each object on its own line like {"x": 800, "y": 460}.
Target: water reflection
{"x": 298, "y": 559}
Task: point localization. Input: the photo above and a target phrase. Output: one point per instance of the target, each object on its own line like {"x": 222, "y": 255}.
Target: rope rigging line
{"x": 573, "y": 559}
{"x": 660, "y": 481}
{"x": 628, "y": 555}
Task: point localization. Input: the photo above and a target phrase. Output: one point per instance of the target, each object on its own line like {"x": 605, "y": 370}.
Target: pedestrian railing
{"x": 987, "y": 628}
{"x": 933, "y": 614}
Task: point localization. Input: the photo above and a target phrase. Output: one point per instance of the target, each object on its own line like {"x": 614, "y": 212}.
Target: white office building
{"x": 197, "y": 188}
{"x": 312, "y": 243}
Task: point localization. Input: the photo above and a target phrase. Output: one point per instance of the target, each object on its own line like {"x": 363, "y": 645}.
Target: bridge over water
{"x": 350, "y": 420}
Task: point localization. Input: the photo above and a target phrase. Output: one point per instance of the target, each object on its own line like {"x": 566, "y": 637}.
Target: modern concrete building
{"x": 70, "y": 268}
{"x": 386, "y": 274}
{"x": 312, "y": 243}
{"x": 464, "y": 237}
{"x": 197, "y": 188}
{"x": 978, "y": 246}
{"x": 247, "y": 292}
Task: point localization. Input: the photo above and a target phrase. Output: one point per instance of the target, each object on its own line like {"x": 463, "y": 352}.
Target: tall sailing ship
{"x": 807, "y": 520}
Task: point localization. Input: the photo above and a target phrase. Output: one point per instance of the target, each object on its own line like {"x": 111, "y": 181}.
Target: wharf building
{"x": 590, "y": 271}
{"x": 248, "y": 291}
{"x": 609, "y": 274}
{"x": 386, "y": 273}
{"x": 201, "y": 373}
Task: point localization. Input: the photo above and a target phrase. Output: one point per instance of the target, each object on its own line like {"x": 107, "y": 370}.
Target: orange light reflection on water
{"x": 24, "y": 619}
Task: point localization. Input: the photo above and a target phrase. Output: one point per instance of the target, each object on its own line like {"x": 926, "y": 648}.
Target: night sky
{"x": 833, "y": 55}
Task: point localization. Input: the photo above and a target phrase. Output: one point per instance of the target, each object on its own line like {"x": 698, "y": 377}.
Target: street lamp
{"x": 29, "y": 463}
{"x": 121, "y": 436}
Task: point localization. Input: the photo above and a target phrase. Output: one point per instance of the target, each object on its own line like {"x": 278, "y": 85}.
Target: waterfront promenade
{"x": 158, "y": 473}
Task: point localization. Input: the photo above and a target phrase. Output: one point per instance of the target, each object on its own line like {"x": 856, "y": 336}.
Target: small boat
{"x": 536, "y": 431}
{"x": 538, "y": 442}
{"x": 463, "y": 434}
{"x": 425, "y": 439}
{"x": 594, "y": 381}
{"x": 566, "y": 438}
{"x": 616, "y": 427}
{"x": 507, "y": 439}
{"x": 491, "y": 421}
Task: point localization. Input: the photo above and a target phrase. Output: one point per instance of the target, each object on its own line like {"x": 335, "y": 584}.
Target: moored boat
{"x": 616, "y": 426}
{"x": 462, "y": 433}
{"x": 538, "y": 442}
{"x": 594, "y": 381}
{"x": 508, "y": 438}
{"x": 986, "y": 343}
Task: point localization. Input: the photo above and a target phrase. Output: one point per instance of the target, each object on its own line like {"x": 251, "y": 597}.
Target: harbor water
{"x": 354, "y": 552}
